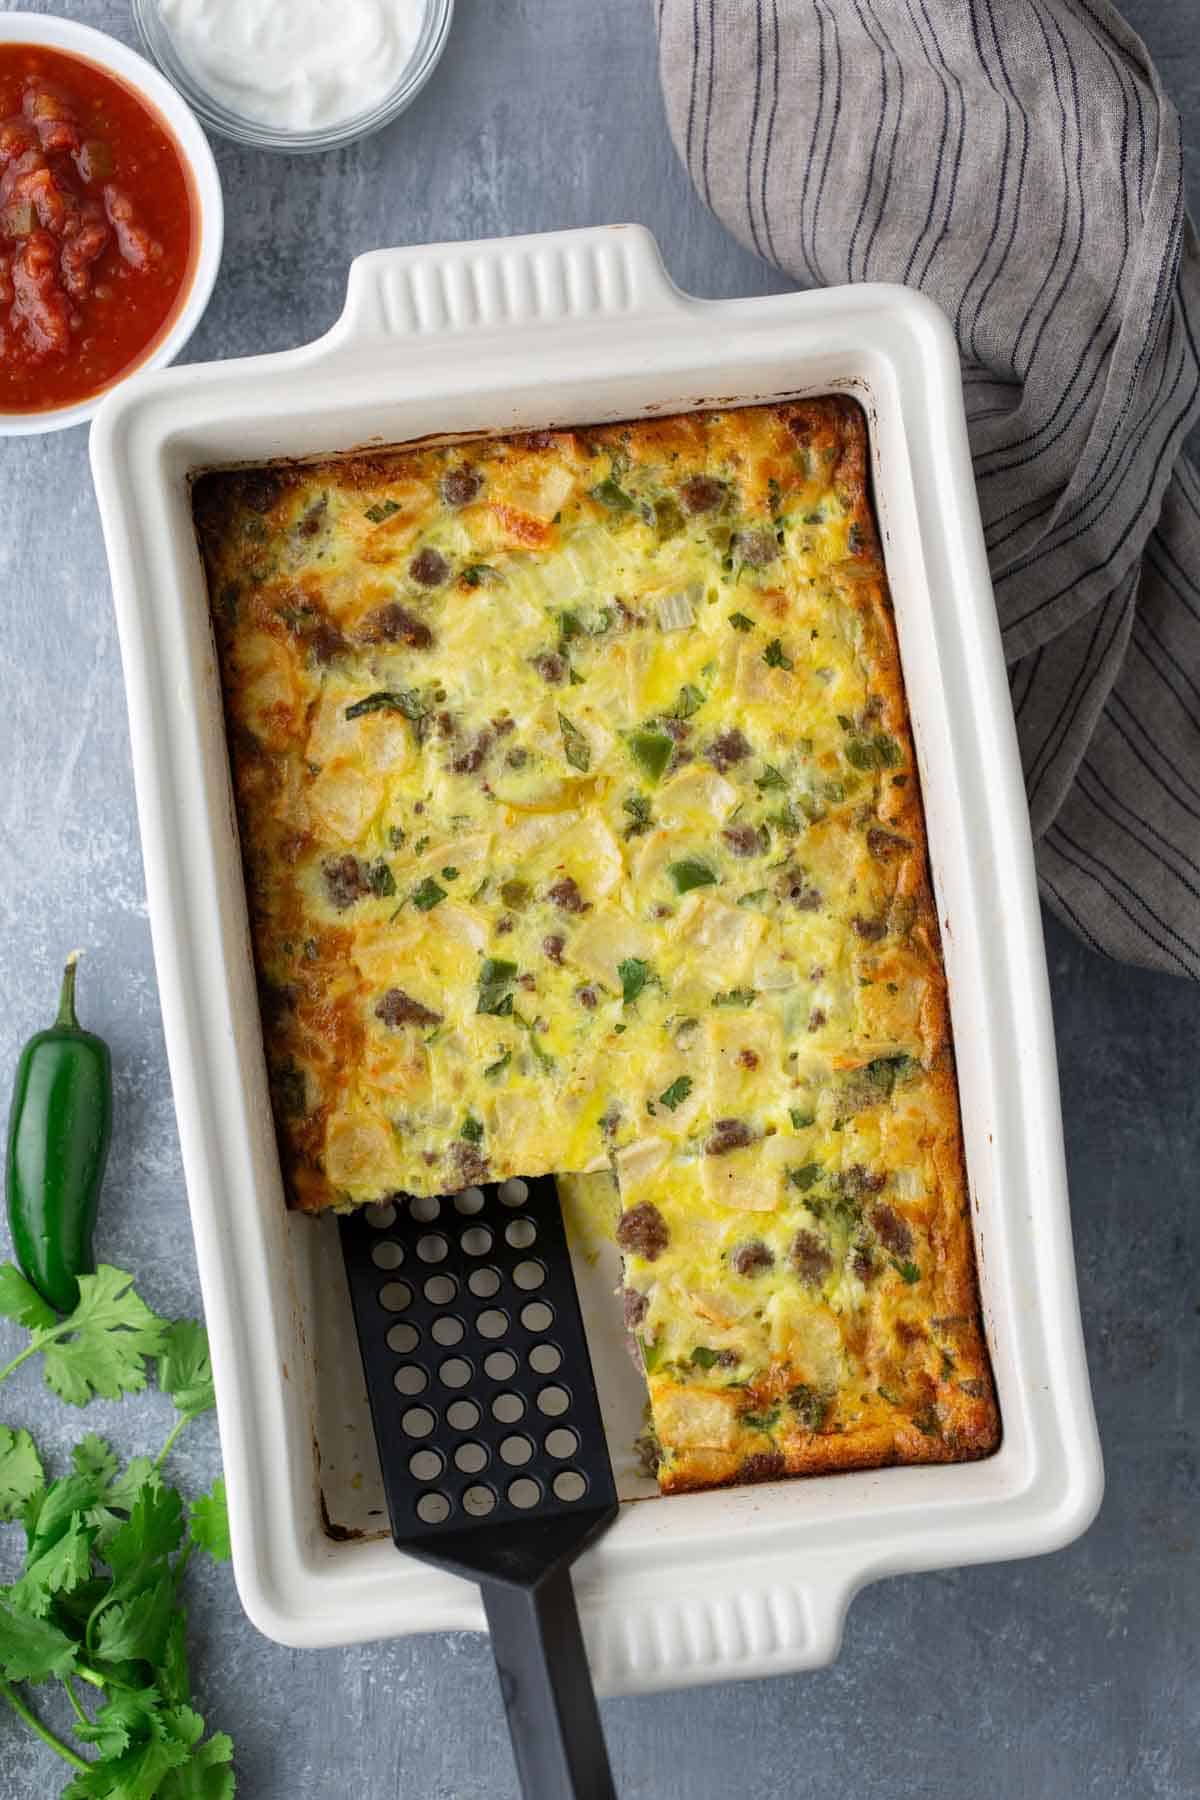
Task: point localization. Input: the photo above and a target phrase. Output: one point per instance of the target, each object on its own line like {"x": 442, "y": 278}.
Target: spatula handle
{"x": 553, "y": 1719}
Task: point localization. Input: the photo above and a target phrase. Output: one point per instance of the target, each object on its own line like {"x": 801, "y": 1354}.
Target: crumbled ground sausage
{"x": 745, "y": 840}
{"x": 863, "y": 1263}
{"x": 346, "y": 880}
{"x": 469, "y": 1163}
{"x": 870, "y": 930}
{"x": 552, "y": 947}
{"x": 727, "y": 1135}
{"x": 398, "y": 1008}
{"x": 881, "y": 844}
{"x": 429, "y": 568}
{"x": 746, "y": 1059}
{"x": 858, "y": 1181}
{"x": 634, "y": 1306}
{"x": 757, "y": 548}
{"x": 460, "y": 486}
{"x": 731, "y": 747}
{"x": 892, "y": 1231}
{"x": 817, "y": 1019}
{"x": 810, "y": 1259}
{"x": 793, "y": 886}
{"x": 566, "y": 895}
{"x": 752, "y": 1257}
{"x": 587, "y": 997}
{"x": 702, "y": 493}
{"x": 766, "y": 1465}
{"x": 642, "y": 1231}
{"x": 395, "y": 624}
{"x": 472, "y": 758}
{"x": 327, "y": 642}
{"x": 314, "y": 518}
{"x": 552, "y": 667}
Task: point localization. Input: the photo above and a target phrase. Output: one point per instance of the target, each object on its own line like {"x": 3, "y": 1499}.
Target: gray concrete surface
{"x": 1072, "y": 1676}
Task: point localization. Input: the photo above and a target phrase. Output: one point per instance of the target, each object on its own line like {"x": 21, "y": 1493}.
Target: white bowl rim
{"x": 133, "y": 70}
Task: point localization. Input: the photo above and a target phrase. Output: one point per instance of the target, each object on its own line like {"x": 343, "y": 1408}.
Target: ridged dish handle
{"x": 519, "y": 285}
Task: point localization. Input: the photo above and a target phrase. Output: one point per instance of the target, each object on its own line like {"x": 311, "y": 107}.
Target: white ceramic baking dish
{"x": 574, "y": 328}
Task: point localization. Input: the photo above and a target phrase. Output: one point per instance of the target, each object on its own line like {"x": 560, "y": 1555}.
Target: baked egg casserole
{"x": 583, "y": 836}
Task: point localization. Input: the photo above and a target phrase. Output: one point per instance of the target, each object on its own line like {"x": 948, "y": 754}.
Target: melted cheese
{"x": 581, "y": 821}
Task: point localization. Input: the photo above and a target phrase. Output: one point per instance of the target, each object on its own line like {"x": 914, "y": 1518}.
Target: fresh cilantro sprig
{"x": 97, "y": 1600}
{"x": 98, "y": 1350}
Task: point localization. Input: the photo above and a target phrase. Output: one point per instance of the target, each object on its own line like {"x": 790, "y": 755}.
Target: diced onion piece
{"x": 637, "y": 1162}
{"x": 675, "y": 612}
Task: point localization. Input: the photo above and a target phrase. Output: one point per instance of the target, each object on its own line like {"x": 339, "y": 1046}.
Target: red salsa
{"x": 97, "y": 229}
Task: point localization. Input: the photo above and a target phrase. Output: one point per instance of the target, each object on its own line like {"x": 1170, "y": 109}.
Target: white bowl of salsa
{"x": 111, "y": 220}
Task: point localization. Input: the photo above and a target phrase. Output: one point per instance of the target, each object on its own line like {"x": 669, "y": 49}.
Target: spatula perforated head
{"x": 481, "y": 1390}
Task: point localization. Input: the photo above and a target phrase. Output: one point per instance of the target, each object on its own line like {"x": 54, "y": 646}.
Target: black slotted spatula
{"x": 490, "y": 1440}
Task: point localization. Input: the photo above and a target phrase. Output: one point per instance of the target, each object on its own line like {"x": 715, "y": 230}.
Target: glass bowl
{"x": 435, "y": 28}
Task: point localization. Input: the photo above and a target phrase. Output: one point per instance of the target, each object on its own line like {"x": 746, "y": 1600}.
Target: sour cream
{"x": 296, "y": 65}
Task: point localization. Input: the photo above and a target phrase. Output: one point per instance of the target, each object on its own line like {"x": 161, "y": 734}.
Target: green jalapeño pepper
{"x": 58, "y": 1136}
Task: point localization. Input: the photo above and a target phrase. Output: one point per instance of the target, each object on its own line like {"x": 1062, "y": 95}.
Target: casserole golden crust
{"x": 582, "y": 833}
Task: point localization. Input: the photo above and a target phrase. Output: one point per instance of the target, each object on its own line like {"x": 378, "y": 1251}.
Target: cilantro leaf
{"x": 690, "y": 700}
{"x": 56, "y": 1570}
{"x": 740, "y": 622}
{"x": 576, "y": 748}
{"x": 21, "y": 1475}
{"x": 139, "y": 1774}
{"x": 62, "y": 1500}
{"x": 776, "y": 657}
{"x": 185, "y": 1368}
{"x": 634, "y": 975}
{"x": 136, "y": 1629}
{"x": 20, "y": 1300}
{"x": 638, "y": 808}
{"x": 677, "y": 1093}
{"x": 30, "y": 1648}
{"x": 130, "y": 1714}
{"x": 126, "y": 1488}
{"x": 209, "y": 1522}
{"x": 101, "y": 1348}
{"x": 94, "y": 1458}
{"x": 206, "y": 1775}
{"x": 496, "y": 977}
{"x": 427, "y": 895}
{"x": 152, "y": 1531}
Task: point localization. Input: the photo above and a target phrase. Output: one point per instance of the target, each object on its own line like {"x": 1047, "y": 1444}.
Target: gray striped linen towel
{"x": 1019, "y": 161}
